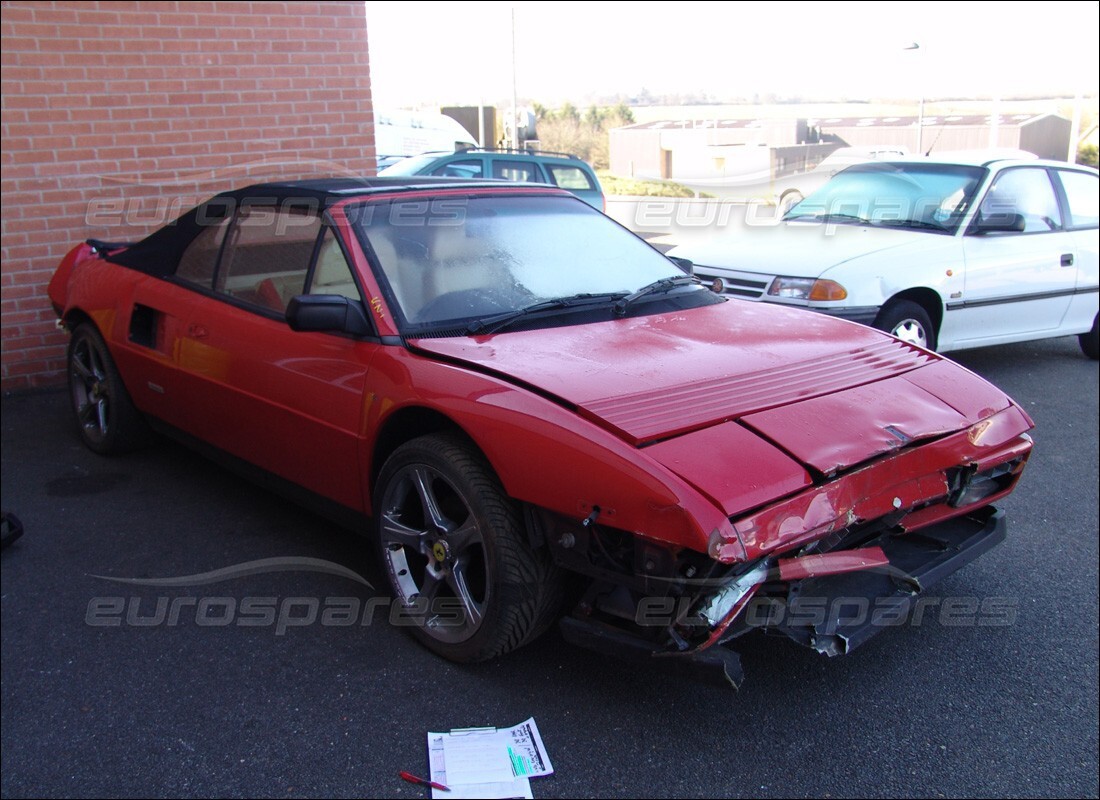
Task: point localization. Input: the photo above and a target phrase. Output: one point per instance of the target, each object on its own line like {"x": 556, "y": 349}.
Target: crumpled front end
{"x": 831, "y": 602}
{"x": 829, "y": 566}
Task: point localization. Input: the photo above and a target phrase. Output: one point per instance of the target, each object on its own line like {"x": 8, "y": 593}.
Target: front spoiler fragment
{"x": 816, "y": 611}
{"x": 861, "y": 604}
{"x": 716, "y": 665}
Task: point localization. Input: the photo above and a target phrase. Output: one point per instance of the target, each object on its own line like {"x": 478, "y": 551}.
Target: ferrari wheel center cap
{"x": 440, "y": 551}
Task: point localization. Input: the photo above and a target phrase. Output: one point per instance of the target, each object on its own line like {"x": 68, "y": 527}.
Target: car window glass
{"x": 332, "y": 275}
{"x": 516, "y": 171}
{"x": 473, "y": 256}
{"x": 1083, "y": 196}
{"x": 413, "y": 165}
{"x": 1027, "y": 192}
{"x": 201, "y": 256}
{"x": 267, "y": 256}
{"x": 467, "y": 168}
{"x": 926, "y": 197}
{"x": 569, "y": 177}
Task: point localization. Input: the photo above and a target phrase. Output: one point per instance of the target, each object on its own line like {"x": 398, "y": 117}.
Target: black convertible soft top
{"x": 159, "y": 253}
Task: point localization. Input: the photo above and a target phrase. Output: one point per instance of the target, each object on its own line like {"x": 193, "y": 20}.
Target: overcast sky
{"x": 435, "y": 53}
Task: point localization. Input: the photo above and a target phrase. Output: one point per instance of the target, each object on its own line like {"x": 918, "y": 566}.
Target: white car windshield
{"x": 917, "y": 195}
{"x": 449, "y": 261}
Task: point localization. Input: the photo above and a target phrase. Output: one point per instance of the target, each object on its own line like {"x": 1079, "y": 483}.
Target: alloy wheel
{"x": 434, "y": 553}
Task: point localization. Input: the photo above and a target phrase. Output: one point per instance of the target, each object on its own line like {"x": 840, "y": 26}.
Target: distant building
{"x": 746, "y": 149}
{"x": 1045, "y": 135}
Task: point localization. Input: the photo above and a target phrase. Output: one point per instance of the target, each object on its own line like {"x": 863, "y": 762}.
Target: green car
{"x": 529, "y": 166}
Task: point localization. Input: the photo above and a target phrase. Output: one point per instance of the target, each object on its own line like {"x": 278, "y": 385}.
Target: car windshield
{"x": 466, "y": 262}
{"x": 917, "y": 195}
{"x": 409, "y": 166}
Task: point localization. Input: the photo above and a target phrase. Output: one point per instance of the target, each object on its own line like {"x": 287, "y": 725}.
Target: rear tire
{"x": 106, "y": 418}
{"x": 909, "y": 322}
{"x": 1090, "y": 342}
{"x": 453, "y": 547}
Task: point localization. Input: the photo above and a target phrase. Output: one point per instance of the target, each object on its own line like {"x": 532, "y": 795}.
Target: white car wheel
{"x": 909, "y": 322}
{"x": 910, "y": 330}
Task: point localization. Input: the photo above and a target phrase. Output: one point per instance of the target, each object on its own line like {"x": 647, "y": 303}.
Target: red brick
{"x": 23, "y": 101}
{"x": 68, "y": 101}
{"x": 58, "y": 45}
{"x": 55, "y": 15}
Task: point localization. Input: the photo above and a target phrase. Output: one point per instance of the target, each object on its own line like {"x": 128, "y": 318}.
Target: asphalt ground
{"x": 1001, "y": 702}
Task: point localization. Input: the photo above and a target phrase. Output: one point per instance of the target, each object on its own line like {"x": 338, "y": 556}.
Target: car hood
{"x": 802, "y": 249}
{"x": 746, "y": 401}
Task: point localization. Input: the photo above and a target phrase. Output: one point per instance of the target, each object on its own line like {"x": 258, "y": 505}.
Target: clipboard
{"x": 487, "y": 762}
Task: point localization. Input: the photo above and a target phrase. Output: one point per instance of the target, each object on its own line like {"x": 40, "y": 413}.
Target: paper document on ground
{"x": 526, "y": 750}
{"x": 476, "y": 757}
{"x": 517, "y": 787}
{"x": 488, "y": 762}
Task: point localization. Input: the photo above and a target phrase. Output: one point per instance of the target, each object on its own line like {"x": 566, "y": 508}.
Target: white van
{"x": 399, "y": 134}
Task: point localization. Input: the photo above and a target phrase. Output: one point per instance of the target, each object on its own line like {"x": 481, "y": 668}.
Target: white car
{"x": 944, "y": 254}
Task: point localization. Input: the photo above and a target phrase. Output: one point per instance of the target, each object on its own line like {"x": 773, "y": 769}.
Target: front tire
{"x": 108, "y": 422}
{"x": 1090, "y": 342}
{"x": 453, "y": 547}
{"x": 909, "y": 322}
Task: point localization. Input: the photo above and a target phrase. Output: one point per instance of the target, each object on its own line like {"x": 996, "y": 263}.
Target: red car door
{"x": 288, "y": 402}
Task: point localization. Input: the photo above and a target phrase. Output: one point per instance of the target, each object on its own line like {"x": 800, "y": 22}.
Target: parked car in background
{"x": 529, "y": 166}
{"x": 502, "y": 386}
{"x": 944, "y": 254}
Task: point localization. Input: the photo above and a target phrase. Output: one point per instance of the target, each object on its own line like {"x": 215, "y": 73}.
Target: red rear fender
{"x": 58, "y": 289}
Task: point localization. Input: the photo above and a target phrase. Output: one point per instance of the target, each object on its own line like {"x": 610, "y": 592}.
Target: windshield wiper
{"x": 844, "y": 218}
{"x": 918, "y": 224}
{"x": 657, "y": 287}
{"x": 500, "y": 321}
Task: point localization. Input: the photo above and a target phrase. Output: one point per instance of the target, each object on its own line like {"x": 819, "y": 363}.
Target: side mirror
{"x": 685, "y": 264}
{"x": 327, "y": 313}
{"x": 1000, "y": 222}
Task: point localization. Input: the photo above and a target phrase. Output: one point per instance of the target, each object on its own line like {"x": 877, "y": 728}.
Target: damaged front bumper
{"x": 831, "y": 602}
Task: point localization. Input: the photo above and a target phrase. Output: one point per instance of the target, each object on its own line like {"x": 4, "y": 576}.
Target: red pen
{"x": 408, "y": 776}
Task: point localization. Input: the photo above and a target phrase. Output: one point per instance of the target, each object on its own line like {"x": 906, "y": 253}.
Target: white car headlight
{"x": 807, "y": 289}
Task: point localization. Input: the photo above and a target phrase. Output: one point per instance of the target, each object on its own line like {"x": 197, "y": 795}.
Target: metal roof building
{"x": 696, "y": 148}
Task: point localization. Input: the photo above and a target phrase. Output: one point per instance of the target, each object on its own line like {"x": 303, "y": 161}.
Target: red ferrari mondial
{"x": 537, "y": 416}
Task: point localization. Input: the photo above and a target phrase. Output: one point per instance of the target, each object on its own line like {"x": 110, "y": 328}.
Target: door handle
{"x": 1067, "y": 259}
{"x": 196, "y": 331}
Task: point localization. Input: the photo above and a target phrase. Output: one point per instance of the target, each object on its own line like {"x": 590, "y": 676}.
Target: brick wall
{"x": 118, "y": 116}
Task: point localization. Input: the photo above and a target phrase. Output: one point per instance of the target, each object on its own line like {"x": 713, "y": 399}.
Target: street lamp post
{"x": 515, "y": 116}
{"x": 920, "y": 108}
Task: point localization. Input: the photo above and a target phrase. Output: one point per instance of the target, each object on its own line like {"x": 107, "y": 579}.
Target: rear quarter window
{"x": 568, "y": 177}
{"x": 201, "y": 256}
